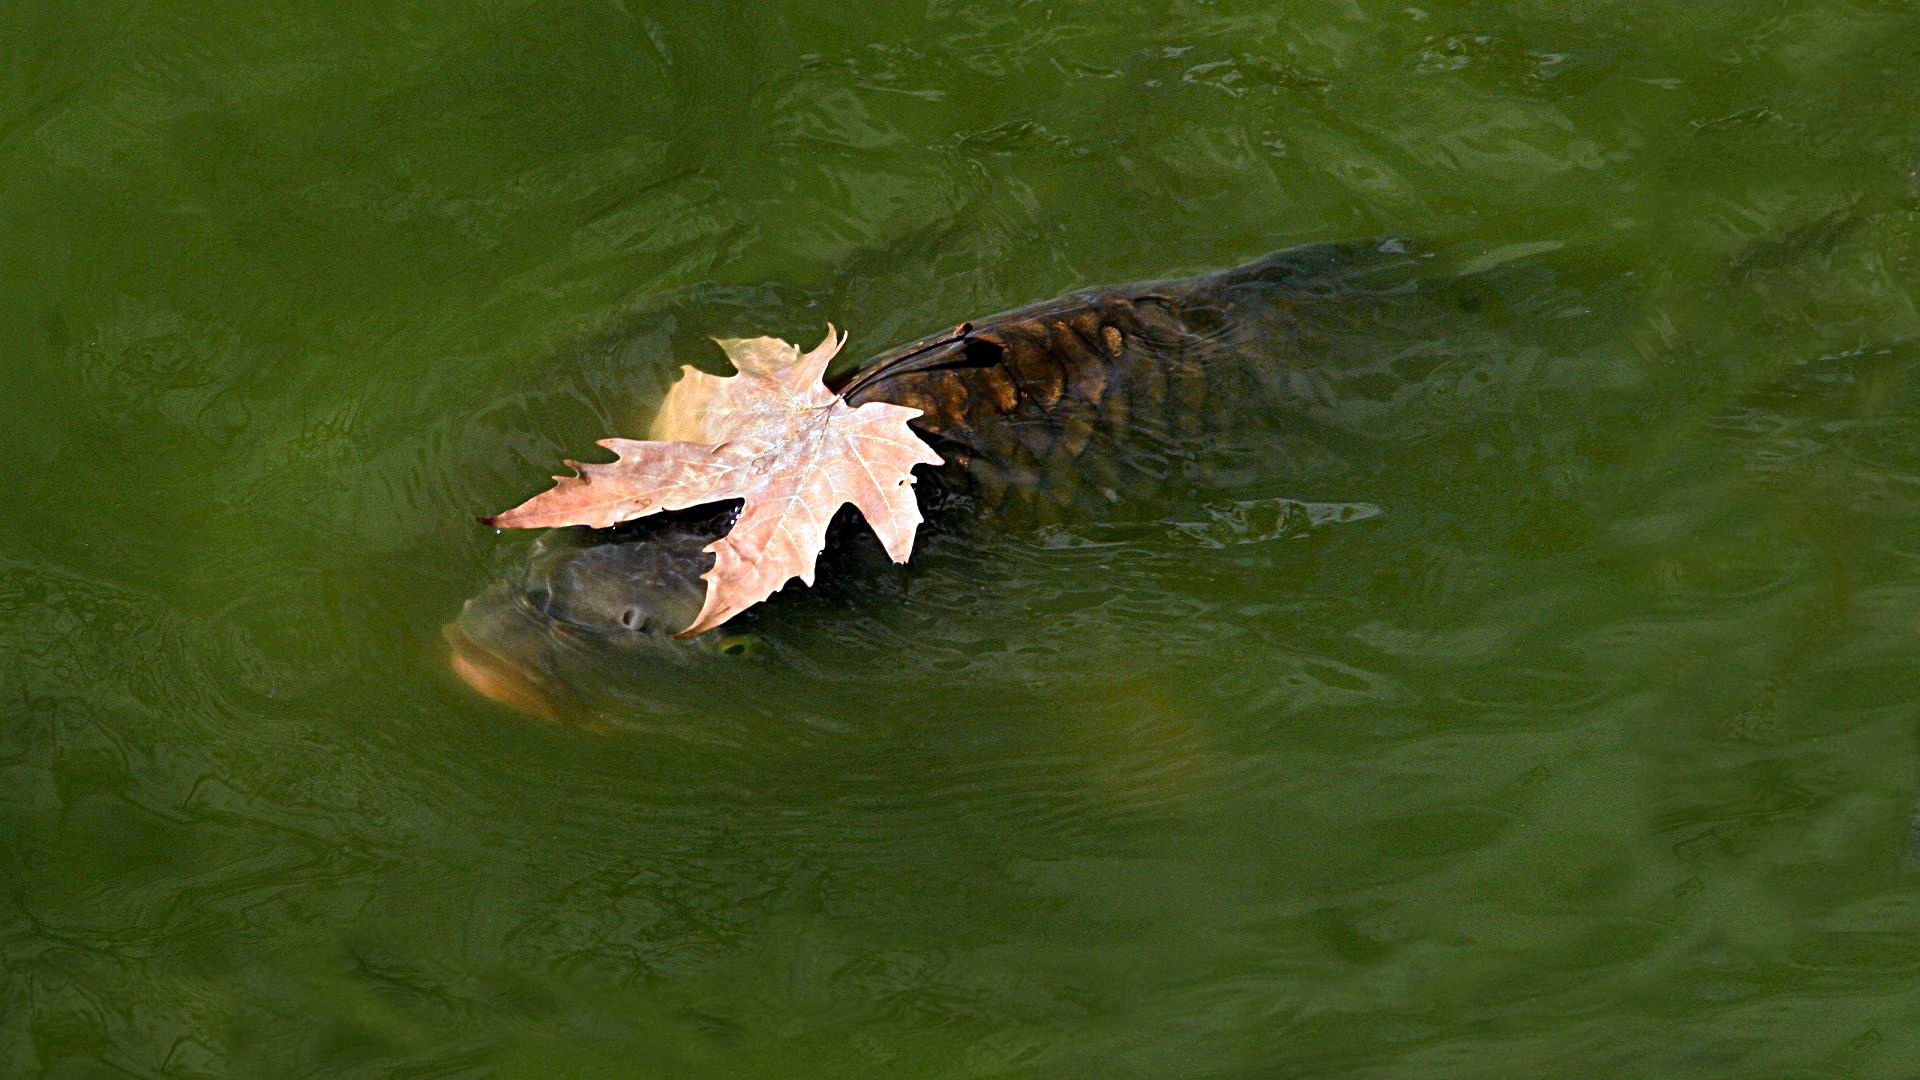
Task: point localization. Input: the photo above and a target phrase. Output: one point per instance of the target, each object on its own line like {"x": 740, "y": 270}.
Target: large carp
{"x": 1099, "y": 399}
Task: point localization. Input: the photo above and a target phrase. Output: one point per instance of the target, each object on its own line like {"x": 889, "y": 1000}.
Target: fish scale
{"x": 1088, "y": 395}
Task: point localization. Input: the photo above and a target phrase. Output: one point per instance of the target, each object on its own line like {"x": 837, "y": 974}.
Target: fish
{"x": 1063, "y": 410}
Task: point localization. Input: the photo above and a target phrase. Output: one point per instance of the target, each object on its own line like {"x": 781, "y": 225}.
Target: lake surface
{"x": 1589, "y": 744}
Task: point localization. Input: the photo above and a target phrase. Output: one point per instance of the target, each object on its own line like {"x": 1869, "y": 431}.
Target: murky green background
{"x": 1594, "y": 753}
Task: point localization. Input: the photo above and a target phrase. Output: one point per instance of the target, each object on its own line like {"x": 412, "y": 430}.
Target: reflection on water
{"x": 1244, "y": 521}
{"x": 1538, "y": 699}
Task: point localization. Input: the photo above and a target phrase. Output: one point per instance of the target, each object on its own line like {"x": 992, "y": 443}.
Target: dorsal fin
{"x": 927, "y": 354}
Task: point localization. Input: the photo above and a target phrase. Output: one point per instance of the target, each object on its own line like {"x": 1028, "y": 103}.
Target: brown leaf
{"x": 772, "y": 436}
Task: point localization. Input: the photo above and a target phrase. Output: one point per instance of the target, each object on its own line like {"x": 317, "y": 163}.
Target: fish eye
{"x": 737, "y": 645}
{"x": 634, "y": 619}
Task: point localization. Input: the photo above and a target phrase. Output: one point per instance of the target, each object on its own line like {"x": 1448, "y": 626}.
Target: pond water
{"x": 1550, "y": 707}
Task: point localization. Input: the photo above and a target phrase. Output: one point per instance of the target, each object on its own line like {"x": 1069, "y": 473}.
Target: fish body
{"x": 1071, "y": 406}
{"x": 1102, "y": 395}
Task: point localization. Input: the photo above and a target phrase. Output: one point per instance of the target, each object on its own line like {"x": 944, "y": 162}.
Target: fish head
{"x": 591, "y": 597}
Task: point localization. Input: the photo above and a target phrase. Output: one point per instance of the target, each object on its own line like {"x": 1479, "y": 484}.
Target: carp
{"x": 1063, "y": 410}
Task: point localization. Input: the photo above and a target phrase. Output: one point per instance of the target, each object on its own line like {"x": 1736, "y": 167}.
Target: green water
{"x": 1593, "y": 753}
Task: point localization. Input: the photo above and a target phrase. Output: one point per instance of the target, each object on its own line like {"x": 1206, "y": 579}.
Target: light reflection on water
{"x": 1588, "y": 744}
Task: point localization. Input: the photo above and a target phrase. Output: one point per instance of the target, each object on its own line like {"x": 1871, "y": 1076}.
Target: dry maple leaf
{"x": 775, "y": 438}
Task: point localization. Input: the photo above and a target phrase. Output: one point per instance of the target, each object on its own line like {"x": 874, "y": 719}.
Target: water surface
{"x": 1587, "y": 747}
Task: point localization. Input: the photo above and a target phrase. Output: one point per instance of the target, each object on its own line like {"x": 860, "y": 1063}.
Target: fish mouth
{"x": 496, "y": 678}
